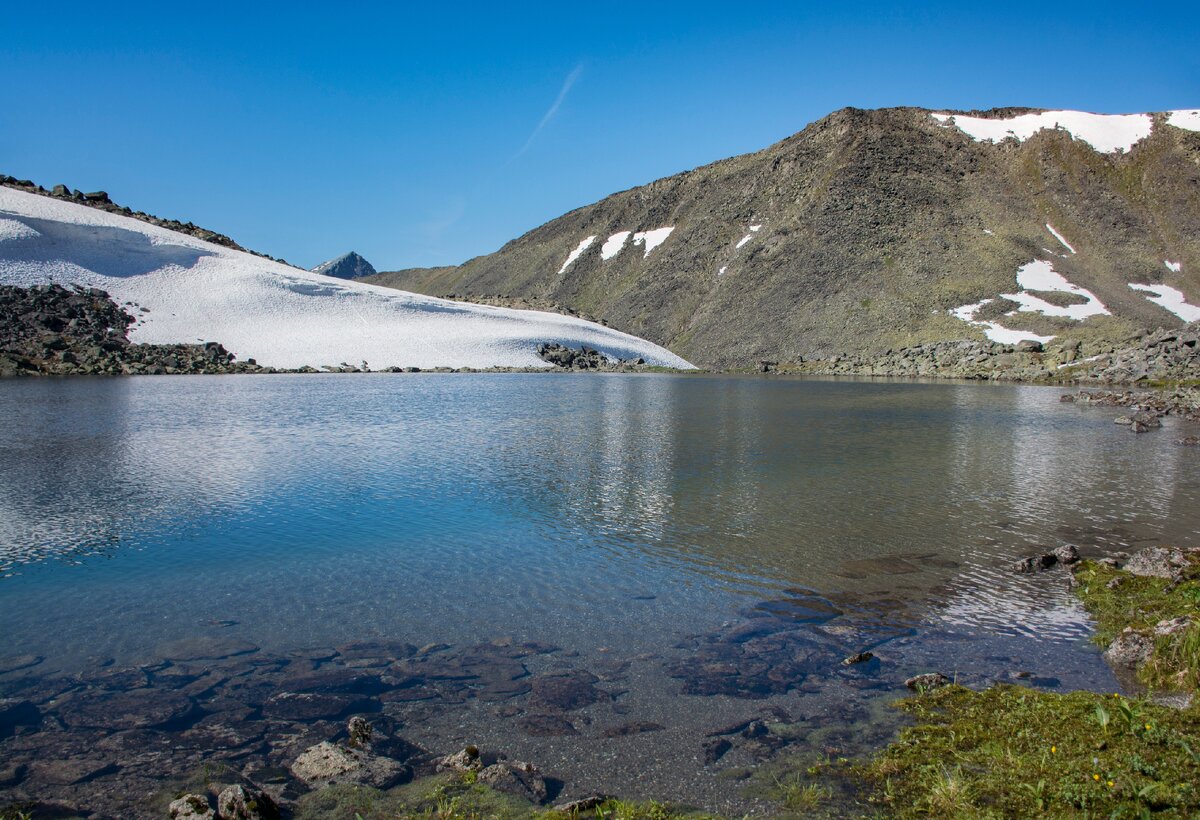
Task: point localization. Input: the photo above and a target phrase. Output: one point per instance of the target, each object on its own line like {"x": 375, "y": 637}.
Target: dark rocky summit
{"x": 346, "y": 266}
{"x": 52, "y": 330}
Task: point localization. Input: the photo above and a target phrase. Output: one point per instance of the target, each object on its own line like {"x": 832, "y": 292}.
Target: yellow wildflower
{"x": 1096, "y": 777}
{"x": 1053, "y": 750}
{"x": 1110, "y": 784}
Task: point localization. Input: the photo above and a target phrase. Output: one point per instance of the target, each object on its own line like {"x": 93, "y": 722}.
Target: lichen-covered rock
{"x": 1129, "y": 650}
{"x": 518, "y": 779}
{"x": 927, "y": 681}
{"x": 191, "y": 807}
{"x": 326, "y": 764}
{"x": 1067, "y": 554}
{"x": 241, "y": 803}
{"x": 1158, "y": 562}
{"x": 467, "y": 760}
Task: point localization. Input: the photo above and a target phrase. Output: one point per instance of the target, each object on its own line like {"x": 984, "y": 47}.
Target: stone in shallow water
{"x": 204, "y": 647}
{"x": 12, "y": 663}
{"x": 546, "y": 726}
{"x": 69, "y": 772}
{"x": 568, "y": 691}
{"x": 636, "y": 727}
{"x": 138, "y": 709}
{"x": 308, "y": 706}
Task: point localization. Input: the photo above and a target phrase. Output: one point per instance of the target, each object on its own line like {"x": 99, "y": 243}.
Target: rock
{"x": 16, "y": 712}
{"x": 1126, "y": 420}
{"x": 467, "y": 760}
{"x": 191, "y": 807}
{"x": 636, "y": 727}
{"x": 714, "y": 749}
{"x": 1036, "y": 563}
{"x": 310, "y": 706}
{"x": 12, "y": 775}
{"x": 1189, "y": 441}
{"x": 1067, "y": 554}
{"x": 71, "y": 771}
{"x": 861, "y": 657}
{"x": 1158, "y": 562}
{"x": 927, "y": 682}
{"x": 1173, "y": 626}
{"x": 577, "y": 807}
{"x": 346, "y": 266}
{"x": 242, "y": 803}
{"x": 1129, "y": 650}
{"x": 326, "y": 764}
{"x": 1029, "y": 346}
{"x": 136, "y": 709}
{"x": 360, "y": 732}
{"x": 546, "y": 726}
{"x": 12, "y": 663}
{"x": 518, "y": 779}
{"x": 569, "y": 691}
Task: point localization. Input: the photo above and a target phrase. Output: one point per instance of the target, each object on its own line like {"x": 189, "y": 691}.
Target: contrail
{"x": 553, "y": 109}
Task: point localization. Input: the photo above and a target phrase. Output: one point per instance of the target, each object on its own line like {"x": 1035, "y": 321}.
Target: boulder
{"x": 1067, "y": 554}
{"x": 1158, "y": 562}
{"x": 467, "y": 760}
{"x": 191, "y": 807}
{"x": 927, "y": 682}
{"x": 518, "y": 779}
{"x": 242, "y": 803}
{"x": 1036, "y": 563}
{"x": 327, "y": 763}
{"x": 1129, "y": 650}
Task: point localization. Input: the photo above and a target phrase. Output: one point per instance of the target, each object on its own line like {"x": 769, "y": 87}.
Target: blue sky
{"x": 428, "y": 135}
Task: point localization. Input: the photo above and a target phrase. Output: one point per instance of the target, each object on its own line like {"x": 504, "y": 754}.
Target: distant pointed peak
{"x": 347, "y": 266}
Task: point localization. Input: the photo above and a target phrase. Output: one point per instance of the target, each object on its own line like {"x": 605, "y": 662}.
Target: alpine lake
{"x": 644, "y": 584}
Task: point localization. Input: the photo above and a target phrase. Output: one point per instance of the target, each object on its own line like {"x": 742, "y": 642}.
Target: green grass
{"x": 1015, "y": 752}
{"x": 1117, "y": 599}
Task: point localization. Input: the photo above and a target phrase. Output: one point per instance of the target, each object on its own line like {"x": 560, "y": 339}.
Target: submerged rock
{"x": 1036, "y": 563}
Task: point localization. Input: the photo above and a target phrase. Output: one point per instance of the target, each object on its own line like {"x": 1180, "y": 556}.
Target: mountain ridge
{"x": 873, "y": 226}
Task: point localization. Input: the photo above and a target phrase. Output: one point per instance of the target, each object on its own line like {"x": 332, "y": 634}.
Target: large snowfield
{"x": 280, "y": 316}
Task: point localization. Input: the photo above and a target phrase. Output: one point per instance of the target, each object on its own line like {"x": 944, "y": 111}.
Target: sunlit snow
{"x": 1039, "y": 276}
{"x": 575, "y": 254}
{"x": 1059, "y": 237}
{"x": 1174, "y": 267}
{"x": 652, "y": 239}
{"x": 279, "y": 315}
{"x": 1188, "y": 119}
{"x": 1170, "y": 298}
{"x": 612, "y": 246}
{"x": 12, "y": 229}
{"x": 1104, "y": 132}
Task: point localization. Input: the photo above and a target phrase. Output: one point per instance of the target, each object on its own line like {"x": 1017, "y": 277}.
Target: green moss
{"x": 1118, "y": 599}
{"x": 1010, "y": 751}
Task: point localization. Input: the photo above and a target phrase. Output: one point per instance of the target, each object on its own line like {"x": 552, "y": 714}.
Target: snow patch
{"x": 575, "y": 254}
{"x": 279, "y": 315}
{"x": 15, "y": 229}
{"x": 721, "y": 272}
{"x": 613, "y": 245}
{"x": 1188, "y": 119}
{"x": 986, "y": 231}
{"x": 1170, "y": 298}
{"x": 1106, "y": 133}
{"x": 1059, "y": 237}
{"x": 1040, "y": 275}
{"x": 753, "y": 230}
{"x": 1174, "y": 267}
{"x": 652, "y": 239}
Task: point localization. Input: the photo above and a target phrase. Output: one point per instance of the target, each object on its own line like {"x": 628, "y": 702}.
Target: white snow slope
{"x": 1107, "y": 133}
{"x": 278, "y": 315}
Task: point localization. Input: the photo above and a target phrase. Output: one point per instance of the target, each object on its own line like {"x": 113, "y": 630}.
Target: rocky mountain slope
{"x": 347, "y": 266}
{"x": 871, "y": 230}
